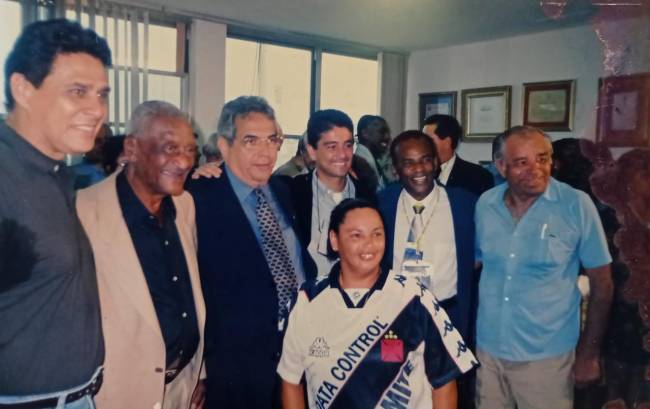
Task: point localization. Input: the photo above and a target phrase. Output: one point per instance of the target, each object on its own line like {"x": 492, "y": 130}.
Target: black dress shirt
{"x": 162, "y": 259}
{"x": 50, "y": 324}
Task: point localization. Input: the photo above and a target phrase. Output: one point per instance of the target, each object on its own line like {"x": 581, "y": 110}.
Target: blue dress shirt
{"x": 529, "y": 303}
{"x": 248, "y": 202}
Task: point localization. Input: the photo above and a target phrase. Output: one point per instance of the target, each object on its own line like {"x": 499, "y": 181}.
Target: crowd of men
{"x": 148, "y": 291}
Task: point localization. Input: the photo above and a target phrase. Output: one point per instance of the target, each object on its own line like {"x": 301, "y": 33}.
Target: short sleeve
{"x": 593, "y": 250}
{"x": 291, "y": 366}
{"x": 446, "y": 355}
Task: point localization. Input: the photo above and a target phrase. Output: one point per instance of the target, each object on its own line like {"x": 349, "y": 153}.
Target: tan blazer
{"x": 134, "y": 368}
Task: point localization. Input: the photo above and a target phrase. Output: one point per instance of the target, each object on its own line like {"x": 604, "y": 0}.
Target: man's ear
{"x": 21, "y": 89}
{"x": 334, "y": 241}
{"x": 501, "y": 166}
{"x": 224, "y": 147}
{"x": 130, "y": 150}
{"x": 311, "y": 152}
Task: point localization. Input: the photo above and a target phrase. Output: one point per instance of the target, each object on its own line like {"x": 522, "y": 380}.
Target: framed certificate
{"x": 486, "y": 112}
{"x": 549, "y": 105}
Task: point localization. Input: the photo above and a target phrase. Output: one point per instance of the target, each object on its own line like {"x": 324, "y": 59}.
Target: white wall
{"x": 573, "y": 53}
{"x": 207, "y": 74}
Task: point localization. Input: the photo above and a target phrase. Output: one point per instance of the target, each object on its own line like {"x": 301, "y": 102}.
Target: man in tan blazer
{"x": 141, "y": 226}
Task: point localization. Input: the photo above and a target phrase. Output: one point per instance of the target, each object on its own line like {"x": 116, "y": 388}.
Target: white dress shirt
{"x": 445, "y": 169}
{"x": 437, "y": 243}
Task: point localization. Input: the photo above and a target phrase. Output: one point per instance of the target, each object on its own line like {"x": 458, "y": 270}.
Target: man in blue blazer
{"x": 251, "y": 259}
{"x": 443, "y": 249}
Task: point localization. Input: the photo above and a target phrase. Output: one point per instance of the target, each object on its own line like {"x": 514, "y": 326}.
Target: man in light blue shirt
{"x": 533, "y": 233}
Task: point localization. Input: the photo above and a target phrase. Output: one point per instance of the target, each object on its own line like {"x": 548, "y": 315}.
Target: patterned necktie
{"x": 416, "y": 224}
{"x": 276, "y": 254}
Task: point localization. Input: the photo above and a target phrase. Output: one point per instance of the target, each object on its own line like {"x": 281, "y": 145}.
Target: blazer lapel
{"x": 127, "y": 272}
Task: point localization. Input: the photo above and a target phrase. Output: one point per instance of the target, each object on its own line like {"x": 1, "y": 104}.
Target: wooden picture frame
{"x": 549, "y": 105}
{"x": 485, "y": 112}
{"x": 623, "y": 118}
{"x": 436, "y": 103}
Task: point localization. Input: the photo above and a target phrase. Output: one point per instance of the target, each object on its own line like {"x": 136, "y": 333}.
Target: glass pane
{"x": 162, "y": 56}
{"x": 282, "y": 75}
{"x": 349, "y": 84}
{"x": 9, "y": 30}
{"x": 164, "y": 88}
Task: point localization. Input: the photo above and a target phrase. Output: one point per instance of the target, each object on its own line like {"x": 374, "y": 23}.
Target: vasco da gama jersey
{"x": 388, "y": 351}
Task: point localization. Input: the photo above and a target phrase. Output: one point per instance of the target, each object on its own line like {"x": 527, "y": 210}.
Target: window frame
{"x": 316, "y": 46}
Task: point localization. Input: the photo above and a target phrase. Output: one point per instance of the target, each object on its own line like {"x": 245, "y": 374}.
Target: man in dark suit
{"x": 441, "y": 251}
{"x": 250, "y": 259}
{"x": 445, "y": 131}
{"x": 330, "y": 144}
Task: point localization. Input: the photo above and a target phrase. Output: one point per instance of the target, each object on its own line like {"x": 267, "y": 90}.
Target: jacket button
{"x": 159, "y": 370}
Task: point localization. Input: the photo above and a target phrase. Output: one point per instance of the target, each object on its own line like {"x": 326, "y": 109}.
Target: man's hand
{"x": 208, "y": 170}
{"x": 198, "y": 397}
{"x": 586, "y": 369}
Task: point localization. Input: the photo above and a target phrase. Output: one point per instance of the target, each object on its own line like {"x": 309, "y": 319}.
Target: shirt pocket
{"x": 556, "y": 241}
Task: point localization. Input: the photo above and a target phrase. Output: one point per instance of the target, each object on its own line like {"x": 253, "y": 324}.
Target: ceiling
{"x": 393, "y": 25}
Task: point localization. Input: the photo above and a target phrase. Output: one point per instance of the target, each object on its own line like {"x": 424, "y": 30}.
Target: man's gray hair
{"x": 519, "y": 130}
{"x": 148, "y": 110}
{"x": 238, "y": 108}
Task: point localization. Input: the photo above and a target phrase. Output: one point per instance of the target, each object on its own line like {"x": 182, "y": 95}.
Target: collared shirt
{"x": 529, "y": 302}
{"x": 323, "y": 202}
{"x": 163, "y": 263}
{"x": 50, "y": 324}
{"x": 248, "y": 201}
{"x": 445, "y": 169}
{"x": 438, "y": 242}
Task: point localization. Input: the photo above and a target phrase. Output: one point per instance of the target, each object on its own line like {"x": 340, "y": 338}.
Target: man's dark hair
{"x": 38, "y": 45}
{"x": 337, "y": 218}
{"x": 410, "y": 135}
{"x": 325, "y": 120}
{"x": 365, "y": 121}
{"x": 446, "y": 127}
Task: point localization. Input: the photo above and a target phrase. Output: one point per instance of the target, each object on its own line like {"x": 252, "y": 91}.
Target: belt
{"x": 90, "y": 389}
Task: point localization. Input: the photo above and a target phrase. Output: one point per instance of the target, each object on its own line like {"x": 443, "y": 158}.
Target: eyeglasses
{"x": 255, "y": 142}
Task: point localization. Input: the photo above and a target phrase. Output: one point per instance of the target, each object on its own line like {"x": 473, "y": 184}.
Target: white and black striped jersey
{"x": 386, "y": 351}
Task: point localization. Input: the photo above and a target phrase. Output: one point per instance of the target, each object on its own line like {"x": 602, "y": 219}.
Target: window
{"x": 9, "y": 31}
{"x": 280, "y": 74}
{"x": 349, "y": 84}
{"x": 164, "y": 77}
{"x": 285, "y": 77}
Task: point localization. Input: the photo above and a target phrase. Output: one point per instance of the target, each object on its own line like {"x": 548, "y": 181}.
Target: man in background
{"x": 299, "y": 164}
{"x": 446, "y": 132}
{"x": 373, "y": 134}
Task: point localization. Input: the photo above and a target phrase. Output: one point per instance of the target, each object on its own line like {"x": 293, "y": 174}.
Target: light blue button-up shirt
{"x": 248, "y": 201}
{"x": 529, "y": 303}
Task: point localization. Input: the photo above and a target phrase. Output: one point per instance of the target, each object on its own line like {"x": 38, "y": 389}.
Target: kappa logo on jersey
{"x": 392, "y": 348}
{"x": 319, "y": 348}
{"x": 400, "y": 279}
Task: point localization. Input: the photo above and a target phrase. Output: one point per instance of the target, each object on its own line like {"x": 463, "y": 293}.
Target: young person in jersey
{"x": 430, "y": 228}
{"x": 364, "y": 337}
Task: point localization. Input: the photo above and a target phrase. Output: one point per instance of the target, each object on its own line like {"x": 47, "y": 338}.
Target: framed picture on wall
{"x": 624, "y": 110}
{"x": 437, "y": 103}
{"x": 486, "y": 112}
{"x": 549, "y": 105}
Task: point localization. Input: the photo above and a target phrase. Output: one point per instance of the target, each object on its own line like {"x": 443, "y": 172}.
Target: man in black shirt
{"x": 141, "y": 227}
{"x": 56, "y": 92}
